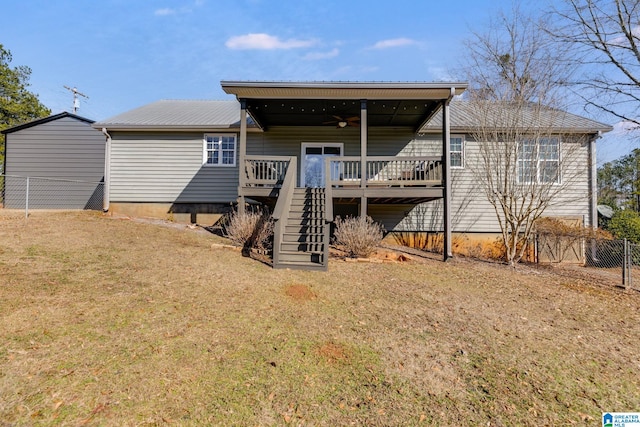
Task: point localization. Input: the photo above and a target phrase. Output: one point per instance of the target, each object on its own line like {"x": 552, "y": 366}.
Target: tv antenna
{"x": 76, "y": 100}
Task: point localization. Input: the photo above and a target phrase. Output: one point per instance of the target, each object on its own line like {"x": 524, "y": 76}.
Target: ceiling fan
{"x": 342, "y": 122}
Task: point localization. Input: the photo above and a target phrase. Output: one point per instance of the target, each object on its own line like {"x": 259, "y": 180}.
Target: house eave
{"x": 175, "y": 128}
{"x": 342, "y": 90}
{"x": 559, "y": 131}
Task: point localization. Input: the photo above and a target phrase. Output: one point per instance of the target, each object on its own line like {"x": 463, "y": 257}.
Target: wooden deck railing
{"x": 283, "y": 204}
{"x": 345, "y": 171}
{"x": 400, "y": 171}
{"x": 266, "y": 171}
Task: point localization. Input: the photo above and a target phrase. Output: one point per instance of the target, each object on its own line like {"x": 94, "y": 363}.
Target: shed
{"x": 56, "y": 162}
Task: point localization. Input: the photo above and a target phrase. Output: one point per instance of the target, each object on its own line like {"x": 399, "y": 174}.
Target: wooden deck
{"x": 399, "y": 179}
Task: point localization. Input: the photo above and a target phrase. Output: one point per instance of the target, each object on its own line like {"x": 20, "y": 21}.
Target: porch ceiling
{"x": 318, "y": 103}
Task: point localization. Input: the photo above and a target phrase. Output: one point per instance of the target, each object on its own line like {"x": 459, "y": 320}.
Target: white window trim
{"x": 558, "y": 181}
{"x": 461, "y": 152}
{"x": 303, "y": 147}
{"x": 205, "y": 151}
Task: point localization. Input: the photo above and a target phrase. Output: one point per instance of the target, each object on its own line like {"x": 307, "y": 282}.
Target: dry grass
{"x": 114, "y": 322}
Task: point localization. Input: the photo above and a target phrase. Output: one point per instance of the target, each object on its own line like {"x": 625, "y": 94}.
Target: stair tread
{"x": 286, "y": 252}
{"x": 299, "y": 263}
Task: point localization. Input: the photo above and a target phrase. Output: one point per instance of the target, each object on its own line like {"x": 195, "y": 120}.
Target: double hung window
{"x": 539, "y": 160}
{"x": 456, "y": 144}
{"x": 219, "y": 149}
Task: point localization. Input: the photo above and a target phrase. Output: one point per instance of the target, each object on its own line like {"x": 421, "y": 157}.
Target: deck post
{"x": 363, "y": 155}
{"x": 242, "y": 152}
{"x": 446, "y": 174}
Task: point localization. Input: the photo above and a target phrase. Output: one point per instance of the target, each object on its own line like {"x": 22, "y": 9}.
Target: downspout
{"x": 593, "y": 182}
{"x": 593, "y": 186}
{"x": 107, "y": 171}
{"x": 446, "y": 173}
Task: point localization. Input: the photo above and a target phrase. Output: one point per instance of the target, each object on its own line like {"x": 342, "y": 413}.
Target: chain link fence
{"x": 619, "y": 257}
{"x": 613, "y": 262}
{"x": 20, "y": 192}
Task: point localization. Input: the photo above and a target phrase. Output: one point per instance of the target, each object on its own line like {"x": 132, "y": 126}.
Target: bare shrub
{"x": 250, "y": 229}
{"x": 425, "y": 241}
{"x": 359, "y": 236}
{"x": 562, "y": 236}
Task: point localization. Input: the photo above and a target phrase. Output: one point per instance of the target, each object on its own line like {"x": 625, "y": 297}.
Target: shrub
{"x": 359, "y": 236}
{"x": 250, "y": 229}
{"x": 625, "y": 224}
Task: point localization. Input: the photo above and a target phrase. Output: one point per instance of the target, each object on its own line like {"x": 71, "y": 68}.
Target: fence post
{"x": 26, "y": 201}
{"x": 629, "y": 264}
{"x": 626, "y": 264}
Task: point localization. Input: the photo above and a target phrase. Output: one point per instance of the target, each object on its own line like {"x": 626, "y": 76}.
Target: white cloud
{"x": 391, "y": 43}
{"x": 262, "y": 41}
{"x": 623, "y": 41}
{"x": 164, "y": 12}
{"x": 439, "y": 74}
{"x": 313, "y": 56}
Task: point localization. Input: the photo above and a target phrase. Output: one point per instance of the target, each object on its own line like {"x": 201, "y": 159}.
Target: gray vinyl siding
{"x": 470, "y": 209}
{"x": 64, "y": 159}
{"x": 167, "y": 167}
{"x": 287, "y": 140}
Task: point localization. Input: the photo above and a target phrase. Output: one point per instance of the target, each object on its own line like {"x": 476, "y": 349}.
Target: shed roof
{"x": 177, "y": 115}
{"x": 464, "y": 118}
{"x": 45, "y": 120}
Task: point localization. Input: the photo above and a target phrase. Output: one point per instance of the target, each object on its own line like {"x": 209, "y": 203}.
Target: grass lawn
{"x": 113, "y": 322}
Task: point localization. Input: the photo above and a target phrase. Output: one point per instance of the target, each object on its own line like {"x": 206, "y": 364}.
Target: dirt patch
{"x": 390, "y": 255}
{"x": 299, "y": 292}
{"x": 333, "y": 353}
{"x": 382, "y": 254}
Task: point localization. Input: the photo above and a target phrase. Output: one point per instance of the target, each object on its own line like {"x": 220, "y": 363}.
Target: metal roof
{"x": 177, "y": 115}
{"x": 45, "y": 120}
{"x": 221, "y": 115}
{"x": 464, "y": 117}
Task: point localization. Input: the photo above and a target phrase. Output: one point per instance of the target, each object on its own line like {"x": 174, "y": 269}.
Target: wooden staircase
{"x": 302, "y": 235}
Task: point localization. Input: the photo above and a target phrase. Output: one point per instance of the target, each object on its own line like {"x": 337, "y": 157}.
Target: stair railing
{"x": 283, "y": 205}
{"x": 328, "y": 209}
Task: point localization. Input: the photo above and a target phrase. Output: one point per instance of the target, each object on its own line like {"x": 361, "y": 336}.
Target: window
{"x": 220, "y": 150}
{"x": 456, "y": 144}
{"x": 539, "y": 160}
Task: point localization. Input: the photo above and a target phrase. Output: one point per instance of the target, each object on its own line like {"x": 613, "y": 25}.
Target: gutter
{"x": 107, "y": 171}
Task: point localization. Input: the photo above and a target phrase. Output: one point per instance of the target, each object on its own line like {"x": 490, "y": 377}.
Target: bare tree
{"x": 604, "y": 37}
{"x": 515, "y": 75}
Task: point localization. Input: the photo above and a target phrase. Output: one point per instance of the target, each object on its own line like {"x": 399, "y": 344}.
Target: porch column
{"x": 242, "y": 152}
{"x": 446, "y": 174}
{"x": 363, "y": 156}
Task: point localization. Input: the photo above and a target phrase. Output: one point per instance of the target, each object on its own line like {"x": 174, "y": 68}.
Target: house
{"x": 571, "y": 156}
{"x": 63, "y": 157}
{"x": 311, "y": 151}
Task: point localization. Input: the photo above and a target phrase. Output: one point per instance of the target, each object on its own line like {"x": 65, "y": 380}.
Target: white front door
{"x": 313, "y": 155}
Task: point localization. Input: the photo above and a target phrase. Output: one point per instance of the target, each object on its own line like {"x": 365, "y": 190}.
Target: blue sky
{"x": 127, "y": 53}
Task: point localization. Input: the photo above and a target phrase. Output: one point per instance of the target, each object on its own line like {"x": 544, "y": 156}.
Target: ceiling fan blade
{"x": 353, "y": 119}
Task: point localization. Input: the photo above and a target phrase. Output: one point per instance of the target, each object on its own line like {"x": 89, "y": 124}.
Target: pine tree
{"x": 17, "y": 104}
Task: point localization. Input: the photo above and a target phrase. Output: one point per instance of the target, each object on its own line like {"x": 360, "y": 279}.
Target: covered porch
{"x": 369, "y": 168}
